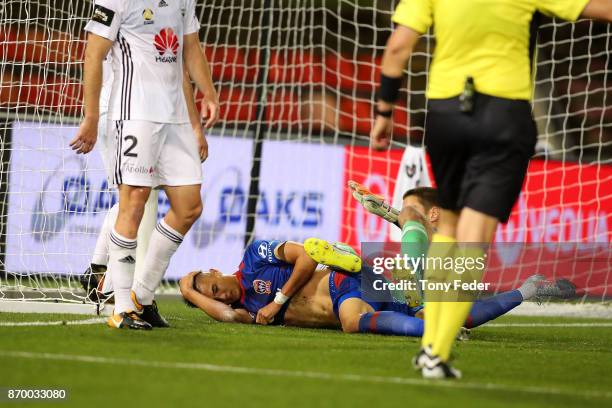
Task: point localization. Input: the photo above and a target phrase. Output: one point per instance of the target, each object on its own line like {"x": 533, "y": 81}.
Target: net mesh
{"x": 296, "y": 80}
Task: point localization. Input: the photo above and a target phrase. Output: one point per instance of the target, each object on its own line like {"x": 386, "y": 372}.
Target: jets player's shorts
{"x": 151, "y": 154}
{"x": 344, "y": 286}
{"x": 479, "y": 160}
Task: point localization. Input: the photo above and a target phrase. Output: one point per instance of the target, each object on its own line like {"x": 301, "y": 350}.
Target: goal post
{"x": 298, "y": 77}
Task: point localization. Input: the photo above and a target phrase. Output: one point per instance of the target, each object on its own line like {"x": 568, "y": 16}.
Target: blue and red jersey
{"x": 260, "y": 274}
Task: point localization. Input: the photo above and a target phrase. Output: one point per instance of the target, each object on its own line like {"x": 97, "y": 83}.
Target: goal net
{"x": 296, "y": 80}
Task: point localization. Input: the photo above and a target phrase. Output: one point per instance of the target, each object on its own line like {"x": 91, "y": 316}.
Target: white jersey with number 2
{"x": 147, "y": 56}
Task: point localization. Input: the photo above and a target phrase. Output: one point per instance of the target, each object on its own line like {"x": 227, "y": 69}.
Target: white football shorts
{"x": 152, "y": 154}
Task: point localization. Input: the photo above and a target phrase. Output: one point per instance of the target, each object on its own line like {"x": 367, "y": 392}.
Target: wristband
{"x": 280, "y": 299}
{"x": 389, "y": 88}
{"x": 384, "y": 114}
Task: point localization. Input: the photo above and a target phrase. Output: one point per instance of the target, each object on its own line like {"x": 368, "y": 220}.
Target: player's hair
{"x": 427, "y": 196}
{"x": 194, "y": 287}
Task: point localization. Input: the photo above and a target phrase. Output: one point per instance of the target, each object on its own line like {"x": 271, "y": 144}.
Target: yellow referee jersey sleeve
{"x": 416, "y": 14}
{"x": 487, "y": 40}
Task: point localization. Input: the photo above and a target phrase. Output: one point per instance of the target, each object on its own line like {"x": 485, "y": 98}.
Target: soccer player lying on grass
{"x": 304, "y": 285}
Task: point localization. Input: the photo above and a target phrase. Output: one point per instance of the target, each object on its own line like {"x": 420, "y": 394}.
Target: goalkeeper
{"x": 480, "y": 134}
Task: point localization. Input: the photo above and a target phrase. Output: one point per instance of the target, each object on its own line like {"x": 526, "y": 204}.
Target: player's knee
{"x": 133, "y": 203}
{"x": 191, "y": 213}
{"x": 350, "y": 324}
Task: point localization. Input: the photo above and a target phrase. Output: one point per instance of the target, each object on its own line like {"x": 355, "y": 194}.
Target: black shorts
{"x": 479, "y": 160}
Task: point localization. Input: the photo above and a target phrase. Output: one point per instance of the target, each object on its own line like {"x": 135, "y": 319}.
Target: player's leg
{"x": 137, "y": 151}
{"x": 472, "y": 227}
{"x": 185, "y": 208}
{"x": 97, "y": 278}
{"x": 180, "y": 173}
{"x": 357, "y": 316}
{"x": 94, "y": 279}
{"x": 122, "y": 246}
{"x": 446, "y": 132}
{"x": 351, "y": 309}
{"x": 337, "y": 255}
{"x": 536, "y": 286}
{"x": 441, "y": 245}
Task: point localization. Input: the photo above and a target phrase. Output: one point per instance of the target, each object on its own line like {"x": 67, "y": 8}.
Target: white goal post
{"x": 296, "y": 81}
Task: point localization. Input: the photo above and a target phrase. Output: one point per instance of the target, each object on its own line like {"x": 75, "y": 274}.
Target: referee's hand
{"x": 380, "y": 136}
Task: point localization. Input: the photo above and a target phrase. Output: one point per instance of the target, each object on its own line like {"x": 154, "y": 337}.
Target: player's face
{"x": 215, "y": 285}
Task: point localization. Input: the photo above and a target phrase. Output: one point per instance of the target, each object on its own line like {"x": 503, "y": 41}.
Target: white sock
{"x": 147, "y": 226}
{"x": 100, "y": 254}
{"x": 122, "y": 260}
{"x": 163, "y": 244}
{"x": 528, "y": 289}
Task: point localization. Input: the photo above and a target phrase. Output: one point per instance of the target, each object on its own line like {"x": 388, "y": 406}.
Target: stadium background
{"x": 296, "y": 81}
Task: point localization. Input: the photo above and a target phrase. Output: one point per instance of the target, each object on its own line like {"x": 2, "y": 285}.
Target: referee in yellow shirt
{"x": 479, "y": 131}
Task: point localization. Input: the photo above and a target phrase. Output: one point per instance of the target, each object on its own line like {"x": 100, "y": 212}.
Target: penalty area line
{"x": 568, "y": 325}
{"x": 54, "y": 323}
{"x": 315, "y": 375}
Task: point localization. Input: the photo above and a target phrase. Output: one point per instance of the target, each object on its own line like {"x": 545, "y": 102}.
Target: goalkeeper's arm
{"x": 416, "y": 235}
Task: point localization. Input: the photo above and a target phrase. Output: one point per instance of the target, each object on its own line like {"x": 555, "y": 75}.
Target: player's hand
{"x": 202, "y": 144}
{"x": 210, "y": 110}
{"x": 380, "y": 136}
{"x": 186, "y": 282}
{"x": 266, "y": 314}
{"x": 86, "y": 136}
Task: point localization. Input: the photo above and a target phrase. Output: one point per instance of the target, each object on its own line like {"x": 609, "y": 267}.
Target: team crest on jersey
{"x": 167, "y": 44}
{"x": 262, "y": 287}
{"x": 411, "y": 170}
{"x": 147, "y": 14}
{"x": 162, "y": 3}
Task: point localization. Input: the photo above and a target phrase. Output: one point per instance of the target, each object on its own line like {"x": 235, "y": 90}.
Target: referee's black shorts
{"x": 479, "y": 160}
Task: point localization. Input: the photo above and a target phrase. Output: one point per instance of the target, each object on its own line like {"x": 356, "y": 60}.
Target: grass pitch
{"x": 204, "y": 363}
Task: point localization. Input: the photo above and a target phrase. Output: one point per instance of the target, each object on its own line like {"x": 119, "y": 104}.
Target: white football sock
{"x": 100, "y": 254}
{"x": 122, "y": 260}
{"x": 147, "y": 225}
{"x": 163, "y": 244}
{"x": 528, "y": 289}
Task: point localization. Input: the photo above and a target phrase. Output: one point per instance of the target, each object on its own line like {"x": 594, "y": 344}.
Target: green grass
{"x": 527, "y": 366}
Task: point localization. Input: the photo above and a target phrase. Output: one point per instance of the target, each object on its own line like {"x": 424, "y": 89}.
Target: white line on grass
{"x": 54, "y": 323}
{"x": 305, "y": 374}
{"x": 97, "y": 320}
{"x": 594, "y": 324}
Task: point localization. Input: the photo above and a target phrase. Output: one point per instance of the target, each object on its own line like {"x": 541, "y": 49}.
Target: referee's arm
{"x": 397, "y": 52}
{"x": 598, "y": 10}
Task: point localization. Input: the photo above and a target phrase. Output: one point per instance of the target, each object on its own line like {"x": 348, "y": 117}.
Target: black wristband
{"x": 389, "y": 88}
{"x": 384, "y": 114}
